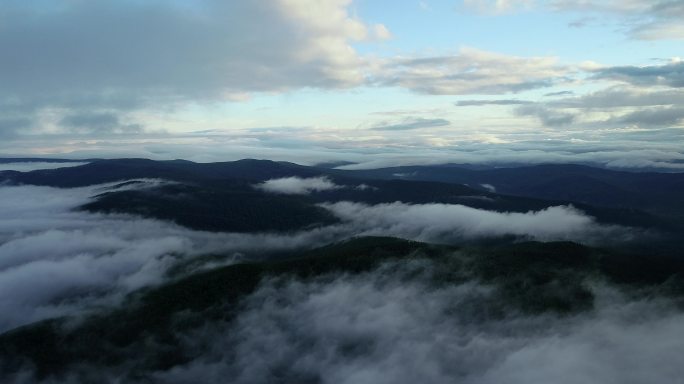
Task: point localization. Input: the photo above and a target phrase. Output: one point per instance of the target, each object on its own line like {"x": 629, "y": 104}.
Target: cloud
{"x": 480, "y": 103}
{"x": 410, "y": 123}
{"x": 306, "y": 44}
{"x": 616, "y": 106}
{"x": 559, "y": 93}
{"x": 611, "y": 6}
{"x": 652, "y": 117}
{"x": 646, "y": 20}
{"x": 621, "y": 96}
{"x": 655, "y": 148}
{"x": 297, "y": 185}
{"x": 497, "y": 7}
{"x": 99, "y": 123}
{"x": 393, "y": 326}
{"x": 471, "y": 71}
{"x": 86, "y": 260}
{"x": 548, "y": 116}
{"x": 381, "y": 32}
{"x": 56, "y": 260}
{"x": 402, "y": 323}
{"x": 12, "y": 126}
{"x": 451, "y": 223}
{"x": 670, "y": 75}
{"x": 127, "y": 56}
{"x": 49, "y": 253}
{"x": 36, "y": 165}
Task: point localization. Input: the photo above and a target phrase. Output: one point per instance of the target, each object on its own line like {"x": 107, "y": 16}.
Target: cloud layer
{"x": 644, "y": 20}
{"x": 105, "y": 60}
{"x": 113, "y": 78}
{"x": 471, "y": 71}
{"x": 306, "y": 44}
{"x": 390, "y": 326}
{"x": 651, "y": 20}
{"x": 56, "y": 260}
{"x": 297, "y": 185}
{"x": 449, "y": 223}
{"x": 36, "y": 165}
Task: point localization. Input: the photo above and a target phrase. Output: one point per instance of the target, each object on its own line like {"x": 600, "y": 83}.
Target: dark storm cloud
{"x": 411, "y": 123}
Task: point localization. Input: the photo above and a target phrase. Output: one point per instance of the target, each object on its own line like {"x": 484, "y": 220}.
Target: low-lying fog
{"x": 386, "y": 326}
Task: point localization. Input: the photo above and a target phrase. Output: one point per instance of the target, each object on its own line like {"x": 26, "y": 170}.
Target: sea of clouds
{"x": 394, "y": 325}
{"x": 56, "y": 259}
{"x": 375, "y": 327}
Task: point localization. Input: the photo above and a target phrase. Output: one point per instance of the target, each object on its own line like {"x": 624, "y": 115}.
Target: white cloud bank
{"x": 488, "y": 187}
{"x": 53, "y": 260}
{"x": 56, "y": 261}
{"x": 381, "y": 327}
{"x": 297, "y": 185}
{"x": 452, "y": 222}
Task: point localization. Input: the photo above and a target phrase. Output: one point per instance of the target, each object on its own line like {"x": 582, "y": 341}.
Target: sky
{"x": 366, "y": 81}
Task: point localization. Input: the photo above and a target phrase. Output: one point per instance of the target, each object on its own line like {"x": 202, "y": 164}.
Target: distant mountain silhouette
{"x": 221, "y": 196}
